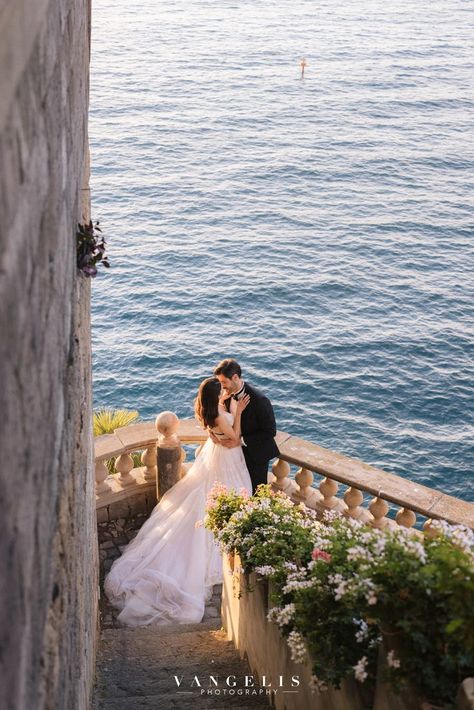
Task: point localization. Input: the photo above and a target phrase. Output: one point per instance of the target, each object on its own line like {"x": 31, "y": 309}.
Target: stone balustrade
{"x": 416, "y": 503}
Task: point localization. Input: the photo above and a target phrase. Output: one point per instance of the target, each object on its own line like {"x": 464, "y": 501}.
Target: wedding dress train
{"x": 166, "y": 574}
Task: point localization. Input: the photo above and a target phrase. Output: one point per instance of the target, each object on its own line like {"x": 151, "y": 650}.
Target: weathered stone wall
{"x": 117, "y": 525}
{"x": 48, "y": 545}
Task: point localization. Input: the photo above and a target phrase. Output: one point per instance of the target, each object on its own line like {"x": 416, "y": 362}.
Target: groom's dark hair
{"x": 228, "y": 368}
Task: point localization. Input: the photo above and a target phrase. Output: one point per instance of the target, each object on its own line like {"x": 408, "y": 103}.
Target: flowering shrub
{"x": 328, "y": 599}
{"x": 343, "y": 590}
{"x": 364, "y": 584}
{"x": 221, "y": 504}
{"x": 425, "y": 609}
{"x": 266, "y": 531}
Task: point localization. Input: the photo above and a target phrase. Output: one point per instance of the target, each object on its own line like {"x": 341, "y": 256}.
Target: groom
{"x": 257, "y": 422}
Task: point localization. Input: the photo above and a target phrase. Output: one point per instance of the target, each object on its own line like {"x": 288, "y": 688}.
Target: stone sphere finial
{"x": 167, "y": 424}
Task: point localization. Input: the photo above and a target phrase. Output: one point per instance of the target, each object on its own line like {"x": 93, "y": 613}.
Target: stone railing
{"x": 156, "y": 441}
{"x": 162, "y": 451}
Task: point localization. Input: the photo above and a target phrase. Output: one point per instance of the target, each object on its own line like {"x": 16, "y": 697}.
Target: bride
{"x": 166, "y": 574}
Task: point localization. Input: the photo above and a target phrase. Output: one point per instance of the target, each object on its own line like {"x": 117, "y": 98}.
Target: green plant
{"x": 425, "y": 603}
{"x": 90, "y": 249}
{"x": 328, "y": 608}
{"x": 344, "y": 592}
{"x": 106, "y": 420}
{"x": 364, "y": 584}
{"x": 266, "y": 530}
{"x": 221, "y": 504}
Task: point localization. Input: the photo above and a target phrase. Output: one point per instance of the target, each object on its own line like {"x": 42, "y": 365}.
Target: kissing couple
{"x": 166, "y": 574}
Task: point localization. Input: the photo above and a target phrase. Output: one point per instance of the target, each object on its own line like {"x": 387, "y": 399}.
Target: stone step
{"x": 136, "y": 669}
{"x": 156, "y": 702}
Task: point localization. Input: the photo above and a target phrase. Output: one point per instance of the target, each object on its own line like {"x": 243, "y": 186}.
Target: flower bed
{"x": 390, "y": 610}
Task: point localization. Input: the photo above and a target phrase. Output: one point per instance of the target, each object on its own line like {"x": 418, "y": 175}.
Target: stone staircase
{"x": 136, "y": 668}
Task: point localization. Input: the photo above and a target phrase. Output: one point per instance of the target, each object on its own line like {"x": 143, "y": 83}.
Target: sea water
{"x": 318, "y": 229}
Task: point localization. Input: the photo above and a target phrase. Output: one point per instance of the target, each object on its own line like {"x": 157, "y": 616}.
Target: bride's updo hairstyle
{"x": 207, "y": 402}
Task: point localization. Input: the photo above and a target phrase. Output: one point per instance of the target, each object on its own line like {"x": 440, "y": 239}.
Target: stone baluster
{"x": 280, "y": 470}
{"x": 353, "y": 498}
{"x": 406, "y": 517}
{"x": 101, "y": 475}
{"x": 329, "y": 488}
{"x": 429, "y": 530}
{"x": 124, "y": 464}
{"x": 149, "y": 461}
{"x": 168, "y": 452}
{"x": 304, "y": 478}
{"x": 379, "y": 509}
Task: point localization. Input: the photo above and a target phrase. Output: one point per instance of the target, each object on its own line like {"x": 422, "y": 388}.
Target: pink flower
{"x": 318, "y": 554}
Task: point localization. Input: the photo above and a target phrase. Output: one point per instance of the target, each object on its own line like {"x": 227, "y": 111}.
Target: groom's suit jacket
{"x": 258, "y": 428}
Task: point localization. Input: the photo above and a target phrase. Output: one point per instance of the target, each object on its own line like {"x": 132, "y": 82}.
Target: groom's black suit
{"x": 258, "y": 429}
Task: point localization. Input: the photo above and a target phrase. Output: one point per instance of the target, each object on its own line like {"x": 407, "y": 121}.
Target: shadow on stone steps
{"x": 137, "y": 668}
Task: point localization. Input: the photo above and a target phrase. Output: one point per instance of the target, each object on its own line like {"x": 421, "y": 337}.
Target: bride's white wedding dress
{"x": 166, "y": 574}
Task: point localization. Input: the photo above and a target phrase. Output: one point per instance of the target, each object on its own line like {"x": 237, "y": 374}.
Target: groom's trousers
{"x": 258, "y": 473}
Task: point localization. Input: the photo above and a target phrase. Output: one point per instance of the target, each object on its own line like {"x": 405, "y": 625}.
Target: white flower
{"x": 296, "y": 584}
{"x": 265, "y": 570}
{"x": 416, "y": 549}
{"x": 371, "y": 598}
{"x": 341, "y": 589}
{"x": 273, "y": 613}
{"x": 354, "y": 524}
{"x": 285, "y": 615}
{"x": 392, "y": 661}
{"x": 316, "y": 685}
{"x": 363, "y": 631}
{"x": 359, "y": 553}
{"x": 360, "y": 673}
{"x": 330, "y": 515}
{"x": 297, "y": 647}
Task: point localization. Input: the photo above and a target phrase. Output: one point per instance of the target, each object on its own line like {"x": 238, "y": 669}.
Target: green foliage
{"x": 268, "y": 530}
{"x": 331, "y": 618}
{"x": 106, "y": 420}
{"x": 221, "y": 505}
{"x": 365, "y": 584}
{"x": 341, "y": 588}
{"x": 427, "y": 602}
{"x": 90, "y": 249}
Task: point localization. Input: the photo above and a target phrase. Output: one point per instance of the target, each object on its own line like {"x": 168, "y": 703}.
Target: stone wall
{"x": 48, "y": 545}
{"x": 117, "y": 525}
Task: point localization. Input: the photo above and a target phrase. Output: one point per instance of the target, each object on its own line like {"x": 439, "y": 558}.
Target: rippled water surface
{"x": 319, "y": 229}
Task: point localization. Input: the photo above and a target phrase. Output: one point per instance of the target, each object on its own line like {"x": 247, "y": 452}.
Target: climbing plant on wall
{"x": 90, "y": 249}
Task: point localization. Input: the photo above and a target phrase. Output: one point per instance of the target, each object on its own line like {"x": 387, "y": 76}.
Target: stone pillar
{"x": 168, "y": 453}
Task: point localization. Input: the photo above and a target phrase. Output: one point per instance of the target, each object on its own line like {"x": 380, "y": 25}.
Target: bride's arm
{"x": 233, "y": 432}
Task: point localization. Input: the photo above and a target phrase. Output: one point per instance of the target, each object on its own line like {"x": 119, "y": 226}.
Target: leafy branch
{"x": 90, "y": 249}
